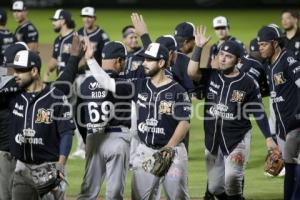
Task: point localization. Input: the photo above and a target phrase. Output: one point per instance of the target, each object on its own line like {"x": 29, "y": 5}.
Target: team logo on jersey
{"x": 66, "y": 48}
{"x": 238, "y": 96}
{"x": 142, "y": 97}
{"x": 150, "y": 126}
{"x": 94, "y": 85}
{"x": 279, "y": 78}
{"x": 44, "y": 116}
{"x": 27, "y": 137}
{"x": 166, "y": 107}
{"x": 291, "y": 60}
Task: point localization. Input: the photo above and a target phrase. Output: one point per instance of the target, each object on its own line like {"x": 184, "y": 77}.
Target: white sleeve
{"x": 298, "y": 82}
{"x": 101, "y": 76}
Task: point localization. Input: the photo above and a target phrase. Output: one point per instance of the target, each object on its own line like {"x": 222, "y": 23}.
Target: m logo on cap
{"x": 152, "y": 50}
{"x": 17, "y": 57}
{"x": 226, "y": 48}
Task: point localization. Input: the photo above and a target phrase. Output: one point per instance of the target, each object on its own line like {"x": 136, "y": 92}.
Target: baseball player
{"x": 6, "y": 38}
{"x": 8, "y": 85}
{"x": 221, "y": 26}
{"x": 133, "y": 68}
{"x": 107, "y": 121}
{"x": 64, "y": 25}
{"x": 41, "y": 128}
{"x": 26, "y": 31}
{"x": 184, "y": 35}
{"x": 99, "y": 38}
{"x": 97, "y": 35}
{"x": 284, "y": 82}
{"x": 290, "y": 21}
{"x": 163, "y": 109}
{"x": 230, "y": 96}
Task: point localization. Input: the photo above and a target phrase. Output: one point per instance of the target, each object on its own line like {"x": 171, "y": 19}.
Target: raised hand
{"x": 77, "y": 47}
{"x": 139, "y": 24}
{"x": 200, "y": 38}
{"x": 88, "y": 48}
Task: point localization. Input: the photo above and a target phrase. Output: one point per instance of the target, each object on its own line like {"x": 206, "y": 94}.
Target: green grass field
{"x": 245, "y": 24}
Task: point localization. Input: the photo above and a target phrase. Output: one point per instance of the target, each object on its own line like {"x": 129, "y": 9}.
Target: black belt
{"x": 152, "y": 146}
{"x": 113, "y": 129}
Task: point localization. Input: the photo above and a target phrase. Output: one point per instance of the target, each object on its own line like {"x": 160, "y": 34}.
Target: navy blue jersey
{"x": 284, "y": 93}
{"x": 103, "y": 109}
{"x": 159, "y": 110}
{"x": 215, "y": 48}
{"x": 226, "y": 118}
{"x": 37, "y": 120}
{"x": 257, "y": 71}
{"x": 180, "y": 72}
{"x": 61, "y": 51}
{"x": 293, "y": 44}
{"x": 98, "y": 39}
{"x": 133, "y": 68}
{"x": 27, "y": 33}
{"x": 6, "y": 39}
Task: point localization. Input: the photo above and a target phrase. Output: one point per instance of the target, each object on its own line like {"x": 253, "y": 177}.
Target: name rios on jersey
{"x": 150, "y": 126}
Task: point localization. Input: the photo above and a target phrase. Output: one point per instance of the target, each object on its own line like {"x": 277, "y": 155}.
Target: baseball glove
{"x": 274, "y": 162}
{"x": 160, "y": 162}
{"x": 46, "y": 178}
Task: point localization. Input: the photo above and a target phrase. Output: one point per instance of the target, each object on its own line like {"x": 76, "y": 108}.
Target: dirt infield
{"x": 46, "y": 53}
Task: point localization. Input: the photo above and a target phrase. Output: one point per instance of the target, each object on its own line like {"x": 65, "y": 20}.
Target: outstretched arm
{"x": 200, "y": 40}
{"x": 99, "y": 74}
{"x": 141, "y": 28}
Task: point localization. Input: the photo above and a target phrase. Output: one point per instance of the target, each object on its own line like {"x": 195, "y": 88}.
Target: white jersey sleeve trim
{"x": 101, "y": 76}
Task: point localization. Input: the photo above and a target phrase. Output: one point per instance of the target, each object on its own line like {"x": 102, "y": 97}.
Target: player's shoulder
{"x": 80, "y": 31}
{"x": 102, "y": 33}
{"x": 252, "y": 61}
{"x": 31, "y": 27}
{"x": 289, "y": 58}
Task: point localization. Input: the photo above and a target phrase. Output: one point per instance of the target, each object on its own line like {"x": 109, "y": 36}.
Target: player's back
{"x": 102, "y": 108}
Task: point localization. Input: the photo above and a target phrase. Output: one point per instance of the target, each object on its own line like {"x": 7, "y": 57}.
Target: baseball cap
{"x": 220, "y": 21}
{"x": 10, "y": 52}
{"x": 269, "y": 33}
{"x": 114, "y": 49}
{"x": 18, "y": 6}
{"x": 3, "y": 16}
{"x": 61, "y": 14}
{"x": 233, "y": 47}
{"x": 185, "y": 30}
{"x": 253, "y": 45}
{"x": 88, "y": 11}
{"x": 167, "y": 41}
{"x": 156, "y": 51}
{"x": 25, "y": 59}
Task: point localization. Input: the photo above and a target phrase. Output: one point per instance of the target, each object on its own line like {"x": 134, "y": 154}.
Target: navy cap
{"x": 114, "y": 49}
{"x": 253, "y": 45}
{"x": 167, "y": 41}
{"x": 156, "y": 51}
{"x": 233, "y": 47}
{"x": 185, "y": 30}
{"x": 269, "y": 33}
{"x": 10, "y": 52}
{"x": 3, "y": 16}
{"x": 61, "y": 14}
{"x": 25, "y": 59}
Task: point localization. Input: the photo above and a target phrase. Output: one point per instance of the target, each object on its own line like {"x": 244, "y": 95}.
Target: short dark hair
{"x": 126, "y": 27}
{"x": 70, "y": 23}
{"x": 293, "y": 13}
